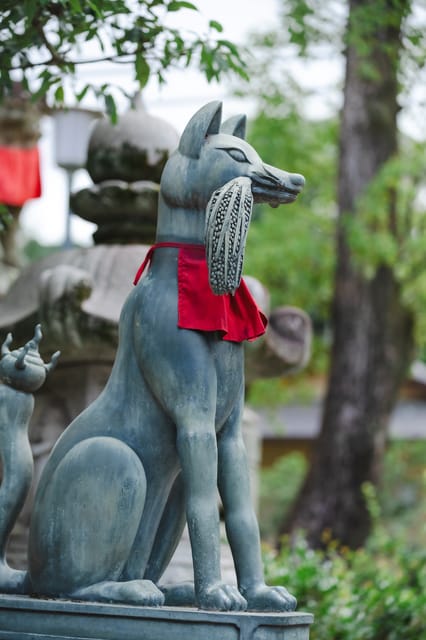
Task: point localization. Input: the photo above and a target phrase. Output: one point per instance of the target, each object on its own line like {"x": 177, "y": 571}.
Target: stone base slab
{"x": 25, "y": 618}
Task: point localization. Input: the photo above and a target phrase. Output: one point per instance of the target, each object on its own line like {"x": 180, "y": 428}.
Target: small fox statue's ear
{"x": 235, "y": 126}
{"x": 205, "y": 122}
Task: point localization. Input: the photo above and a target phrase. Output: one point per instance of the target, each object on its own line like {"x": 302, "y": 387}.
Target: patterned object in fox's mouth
{"x": 228, "y": 216}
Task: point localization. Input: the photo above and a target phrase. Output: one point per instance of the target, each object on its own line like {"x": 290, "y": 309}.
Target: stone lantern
{"x": 125, "y": 161}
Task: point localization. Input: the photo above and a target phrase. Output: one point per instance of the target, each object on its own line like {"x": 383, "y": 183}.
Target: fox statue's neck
{"x": 179, "y": 224}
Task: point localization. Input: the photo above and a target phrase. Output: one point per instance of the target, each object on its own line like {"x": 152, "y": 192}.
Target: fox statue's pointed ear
{"x": 205, "y": 122}
{"x": 235, "y": 126}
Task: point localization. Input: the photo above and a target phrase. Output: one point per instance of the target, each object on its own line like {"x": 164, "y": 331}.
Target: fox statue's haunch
{"x": 151, "y": 451}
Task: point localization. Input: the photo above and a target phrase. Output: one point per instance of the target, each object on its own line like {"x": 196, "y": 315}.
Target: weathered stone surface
{"x": 285, "y": 348}
{"x": 26, "y": 618}
{"x": 125, "y": 212}
{"x": 135, "y": 148}
{"x": 77, "y": 295}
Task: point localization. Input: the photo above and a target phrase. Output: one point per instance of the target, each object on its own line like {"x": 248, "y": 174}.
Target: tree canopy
{"x": 45, "y": 42}
{"x": 294, "y": 253}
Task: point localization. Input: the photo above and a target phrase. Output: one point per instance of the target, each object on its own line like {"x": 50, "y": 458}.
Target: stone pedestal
{"x": 26, "y": 618}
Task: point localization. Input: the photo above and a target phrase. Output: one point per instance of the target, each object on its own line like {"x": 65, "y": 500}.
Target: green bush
{"x": 376, "y": 593}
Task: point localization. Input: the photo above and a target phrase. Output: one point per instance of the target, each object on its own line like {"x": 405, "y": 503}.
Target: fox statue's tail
{"x": 21, "y": 371}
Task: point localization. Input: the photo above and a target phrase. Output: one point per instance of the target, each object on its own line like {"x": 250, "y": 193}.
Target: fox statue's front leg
{"x": 207, "y": 457}
{"x": 241, "y": 522}
{"x": 198, "y": 455}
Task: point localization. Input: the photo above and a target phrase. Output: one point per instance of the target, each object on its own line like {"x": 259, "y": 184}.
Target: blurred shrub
{"x": 374, "y": 593}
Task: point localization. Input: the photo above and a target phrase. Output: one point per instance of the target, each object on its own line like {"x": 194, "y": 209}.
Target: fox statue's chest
{"x": 229, "y": 367}
{"x": 177, "y": 284}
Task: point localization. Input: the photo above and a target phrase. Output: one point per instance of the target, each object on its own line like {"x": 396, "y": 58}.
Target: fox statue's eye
{"x": 237, "y": 155}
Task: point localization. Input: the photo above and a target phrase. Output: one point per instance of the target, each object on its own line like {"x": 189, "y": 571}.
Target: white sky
{"x": 184, "y": 92}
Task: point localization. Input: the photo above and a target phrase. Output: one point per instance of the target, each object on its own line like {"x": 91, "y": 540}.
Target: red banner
{"x": 19, "y": 175}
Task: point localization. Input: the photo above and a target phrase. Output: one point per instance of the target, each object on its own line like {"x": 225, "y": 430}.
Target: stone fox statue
{"x": 164, "y": 435}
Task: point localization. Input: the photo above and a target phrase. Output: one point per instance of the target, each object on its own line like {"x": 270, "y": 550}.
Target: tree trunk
{"x": 373, "y": 333}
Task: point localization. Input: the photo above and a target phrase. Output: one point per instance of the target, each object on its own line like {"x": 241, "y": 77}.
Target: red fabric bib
{"x": 237, "y": 317}
{"x": 19, "y": 175}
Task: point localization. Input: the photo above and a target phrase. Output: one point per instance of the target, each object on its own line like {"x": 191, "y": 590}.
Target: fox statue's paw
{"x": 218, "y": 597}
{"x": 264, "y": 598}
{"x": 221, "y": 597}
{"x": 134, "y": 592}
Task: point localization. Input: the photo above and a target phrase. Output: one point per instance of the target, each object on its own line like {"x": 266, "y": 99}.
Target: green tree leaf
{"x": 76, "y": 6}
{"x": 110, "y": 107}
{"x": 177, "y": 5}
{"x": 59, "y": 94}
{"x": 142, "y": 70}
{"x": 213, "y": 24}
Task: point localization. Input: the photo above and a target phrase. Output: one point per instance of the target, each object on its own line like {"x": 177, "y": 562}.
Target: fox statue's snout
{"x": 275, "y": 186}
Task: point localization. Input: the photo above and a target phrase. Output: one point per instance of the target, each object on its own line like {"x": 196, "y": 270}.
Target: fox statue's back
{"x": 149, "y": 453}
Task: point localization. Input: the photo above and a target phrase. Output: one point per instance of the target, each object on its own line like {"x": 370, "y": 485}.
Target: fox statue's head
{"x": 213, "y": 179}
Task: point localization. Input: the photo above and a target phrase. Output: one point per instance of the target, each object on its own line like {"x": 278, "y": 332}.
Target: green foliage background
{"x": 292, "y": 249}
{"x": 377, "y": 592}
{"x": 374, "y": 593}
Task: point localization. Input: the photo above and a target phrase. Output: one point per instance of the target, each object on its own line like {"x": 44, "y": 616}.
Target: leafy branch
{"x": 45, "y": 42}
